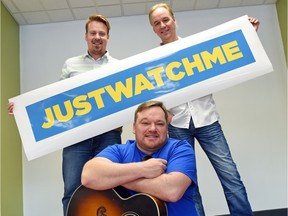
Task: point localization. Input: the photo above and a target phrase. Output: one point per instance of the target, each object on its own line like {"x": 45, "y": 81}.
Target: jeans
{"x": 214, "y": 144}
{"x": 75, "y": 156}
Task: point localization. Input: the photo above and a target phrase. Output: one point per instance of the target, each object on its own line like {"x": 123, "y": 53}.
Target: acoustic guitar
{"x": 114, "y": 202}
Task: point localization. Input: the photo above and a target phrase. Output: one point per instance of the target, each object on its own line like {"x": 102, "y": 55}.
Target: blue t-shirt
{"x": 181, "y": 158}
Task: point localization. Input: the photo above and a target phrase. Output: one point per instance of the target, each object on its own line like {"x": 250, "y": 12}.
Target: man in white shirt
{"x": 199, "y": 119}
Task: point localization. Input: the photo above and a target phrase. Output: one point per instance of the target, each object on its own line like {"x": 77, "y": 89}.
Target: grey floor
{"x": 276, "y": 212}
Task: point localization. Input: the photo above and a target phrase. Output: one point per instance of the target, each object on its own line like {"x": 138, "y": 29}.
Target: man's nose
{"x": 152, "y": 127}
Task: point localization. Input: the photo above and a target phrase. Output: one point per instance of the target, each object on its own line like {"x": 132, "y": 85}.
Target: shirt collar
{"x": 105, "y": 56}
{"x": 161, "y": 44}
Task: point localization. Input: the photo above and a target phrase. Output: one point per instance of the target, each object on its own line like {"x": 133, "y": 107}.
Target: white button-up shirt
{"x": 202, "y": 110}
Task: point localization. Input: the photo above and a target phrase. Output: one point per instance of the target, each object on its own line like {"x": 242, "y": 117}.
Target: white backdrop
{"x": 253, "y": 114}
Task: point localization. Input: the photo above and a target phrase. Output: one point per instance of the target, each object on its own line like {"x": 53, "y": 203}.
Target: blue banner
{"x": 127, "y": 88}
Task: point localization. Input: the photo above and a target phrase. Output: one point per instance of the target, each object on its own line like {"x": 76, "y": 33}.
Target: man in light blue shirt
{"x": 75, "y": 156}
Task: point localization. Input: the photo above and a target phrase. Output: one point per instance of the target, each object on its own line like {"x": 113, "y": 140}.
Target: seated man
{"x": 169, "y": 175}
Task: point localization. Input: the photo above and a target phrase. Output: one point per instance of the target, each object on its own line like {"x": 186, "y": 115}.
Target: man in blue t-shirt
{"x": 169, "y": 174}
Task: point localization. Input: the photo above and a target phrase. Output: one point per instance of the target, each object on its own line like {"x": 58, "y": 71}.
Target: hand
{"x": 255, "y": 22}
{"x": 153, "y": 167}
{"x": 10, "y": 108}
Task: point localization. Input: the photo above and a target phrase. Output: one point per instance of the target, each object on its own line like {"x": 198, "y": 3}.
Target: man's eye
{"x": 166, "y": 20}
{"x": 102, "y": 34}
{"x": 156, "y": 24}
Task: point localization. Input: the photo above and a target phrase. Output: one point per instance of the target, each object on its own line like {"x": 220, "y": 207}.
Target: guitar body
{"x": 114, "y": 202}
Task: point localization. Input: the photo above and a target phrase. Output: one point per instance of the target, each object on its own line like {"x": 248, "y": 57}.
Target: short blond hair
{"x": 98, "y": 18}
{"x": 163, "y": 5}
{"x": 149, "y": 104}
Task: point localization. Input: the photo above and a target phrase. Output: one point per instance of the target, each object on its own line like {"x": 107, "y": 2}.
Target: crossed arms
{"x": 147, "y": 177}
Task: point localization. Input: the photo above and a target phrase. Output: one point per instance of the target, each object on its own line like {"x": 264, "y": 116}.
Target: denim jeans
{"x": 214, "y": 144}
{"x": 75, "y": 156}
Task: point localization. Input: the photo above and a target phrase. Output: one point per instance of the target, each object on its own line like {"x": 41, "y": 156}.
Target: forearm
{"x": 101, "y": 174}
{"x": 167, "y": 187}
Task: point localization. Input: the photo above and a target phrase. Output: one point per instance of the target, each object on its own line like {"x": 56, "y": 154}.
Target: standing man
{"x": 75, "y": 156}
{"x": 199, "y": 119}
{"x": 169, "y": 174}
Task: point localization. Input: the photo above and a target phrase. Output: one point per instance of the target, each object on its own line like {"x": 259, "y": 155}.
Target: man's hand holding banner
{"x": 69, "y": 111}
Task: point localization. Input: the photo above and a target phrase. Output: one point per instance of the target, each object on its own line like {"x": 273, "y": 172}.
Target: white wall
{"x": 253, "y": 114}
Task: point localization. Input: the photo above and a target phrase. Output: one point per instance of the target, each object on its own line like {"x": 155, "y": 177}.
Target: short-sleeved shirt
{"x": 83, "y": 63}
{"x": 181, "y": 158}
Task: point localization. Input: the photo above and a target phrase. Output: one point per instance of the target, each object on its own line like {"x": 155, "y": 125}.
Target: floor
{"x": 276, "y": 212}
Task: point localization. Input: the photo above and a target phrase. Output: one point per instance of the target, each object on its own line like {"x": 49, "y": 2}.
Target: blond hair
{"x": 149, "y": 104}
{"x": 97, "y": 18}
{"x": 163, "y": 5}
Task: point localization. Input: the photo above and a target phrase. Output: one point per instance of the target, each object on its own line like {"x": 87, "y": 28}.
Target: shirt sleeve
{"x": 112, "y": 153}
{"x": 65, "y": 72}
{"x": 182, "y": 159}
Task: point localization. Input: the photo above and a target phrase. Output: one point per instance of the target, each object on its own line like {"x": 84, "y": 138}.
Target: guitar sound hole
{"x": 130, "y": 213}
